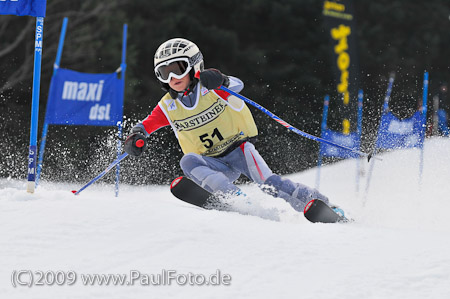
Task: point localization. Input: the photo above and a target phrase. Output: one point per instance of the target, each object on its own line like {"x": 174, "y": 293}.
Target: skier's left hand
{"x": 212, "y": 79}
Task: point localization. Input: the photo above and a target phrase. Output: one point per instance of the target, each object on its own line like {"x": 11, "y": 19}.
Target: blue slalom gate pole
{"x": 119, "y": 150}
{"x": 359, "y": 131}
{"x": 323, "y": 127}
{"x": 45, "y": 128}
{"x": 288, "y": 126}
{"x": 385, "y": 110}
{"x": 111, "y": 166}
{"x": 62, "y": 37}
{"x": 123, "y": 67}
{"x": 123, "y": 64}
{"x": 35, "y": 105}
{"x": 424, "y": 123}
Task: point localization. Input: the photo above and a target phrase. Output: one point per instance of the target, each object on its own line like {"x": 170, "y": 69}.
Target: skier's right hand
{"x": 136, "y": 142}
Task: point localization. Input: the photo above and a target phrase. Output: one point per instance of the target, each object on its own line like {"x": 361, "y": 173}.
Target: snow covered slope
{"x": 399, "y": 246}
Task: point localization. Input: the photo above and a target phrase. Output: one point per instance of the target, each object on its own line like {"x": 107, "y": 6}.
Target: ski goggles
{"x": 176, "y": 68}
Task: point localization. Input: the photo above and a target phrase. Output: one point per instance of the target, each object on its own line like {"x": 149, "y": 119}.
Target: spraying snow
{"x": 398, "y": 247}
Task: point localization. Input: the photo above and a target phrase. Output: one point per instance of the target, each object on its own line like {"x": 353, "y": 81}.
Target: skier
{"x": 215, "y": 130}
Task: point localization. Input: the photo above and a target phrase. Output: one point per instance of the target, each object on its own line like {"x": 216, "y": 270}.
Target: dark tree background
{"x": 278, "y": 48}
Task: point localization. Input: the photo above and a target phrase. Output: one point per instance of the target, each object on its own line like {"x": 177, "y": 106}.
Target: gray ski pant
{"x": 217, "y": 174}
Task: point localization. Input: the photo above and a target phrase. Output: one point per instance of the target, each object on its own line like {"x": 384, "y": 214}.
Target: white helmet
{"x": 176, "y": 58}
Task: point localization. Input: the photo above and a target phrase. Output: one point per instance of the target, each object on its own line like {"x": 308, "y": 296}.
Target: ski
{"x": 318, "y": 211}
{"x": 188, "y": 191}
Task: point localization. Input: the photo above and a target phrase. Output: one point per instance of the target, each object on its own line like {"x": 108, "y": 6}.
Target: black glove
{"x": 136, "y": 142}
{"x": 212, "y": 79}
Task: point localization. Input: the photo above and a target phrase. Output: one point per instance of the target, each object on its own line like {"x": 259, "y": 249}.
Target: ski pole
{"x": 292, "y": 128}
{"x": 111, "y": 166}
